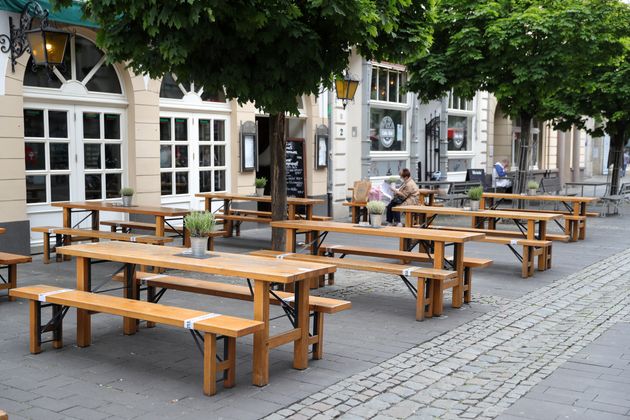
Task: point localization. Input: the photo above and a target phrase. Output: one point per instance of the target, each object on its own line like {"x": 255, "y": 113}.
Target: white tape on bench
{"x": 190, "y": 323}
{"x": 289, "y": 299}
{"x": 408, "y": 271}
{"x": 42, "y": 296}
{"x": 514, "y": 242}
{"x": 281, "y": 256}
{"x": 143, "y": 281}
{"x": 328, "y": 248}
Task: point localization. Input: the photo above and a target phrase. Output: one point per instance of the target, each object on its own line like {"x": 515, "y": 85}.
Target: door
{"x": 71, "y": 153}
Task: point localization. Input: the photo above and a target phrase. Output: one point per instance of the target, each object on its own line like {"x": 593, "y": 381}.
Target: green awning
{"x": 69, "y": 15}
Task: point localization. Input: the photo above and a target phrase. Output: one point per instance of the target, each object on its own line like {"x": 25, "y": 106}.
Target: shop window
{"x": 387, "y": 85}
{"x": 458, "y": 165}
{"x": 387, "y": 130}
{"x": 458, "y": 133}
{"x": 386, "y": 168}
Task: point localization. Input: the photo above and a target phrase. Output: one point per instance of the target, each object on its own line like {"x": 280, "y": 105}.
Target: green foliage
{"x": 376, "y": 207}
{"x": 200, "y": 223}
{"x": 127, "y": 192}
{"x": 260, "y": 182}
{"x": 533, "y": 185}
{"x": 475, "y": 193}
{"x": 393, "y": 179}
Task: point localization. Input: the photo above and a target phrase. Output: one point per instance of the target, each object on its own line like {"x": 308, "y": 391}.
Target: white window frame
{"x": 469, "y": 113}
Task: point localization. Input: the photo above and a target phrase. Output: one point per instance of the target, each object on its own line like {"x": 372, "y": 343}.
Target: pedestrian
{"x": 406, "y": 194}
{"x": 499, "y": 175}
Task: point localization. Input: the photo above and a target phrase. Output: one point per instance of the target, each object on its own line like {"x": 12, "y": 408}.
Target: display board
{"x": 296, "y": 173}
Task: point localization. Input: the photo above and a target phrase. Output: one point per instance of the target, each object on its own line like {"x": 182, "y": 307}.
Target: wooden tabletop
{"x": 261, "y": 199}
{"x": 565, "y": 198}
{"x": 456, "y": 211}
{"x": 220, "y": 263}
{"x": 117, "y": 207}
{"x": 386, "y": 231}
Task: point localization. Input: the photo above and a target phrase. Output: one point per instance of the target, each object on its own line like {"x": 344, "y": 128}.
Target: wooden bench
{"x": 65, "y": 236}
{"x": 210, "y": 325}
{"x": 255, "y": 216}
{"x": 506, "y": 233}
{"x": 405, "y": 257}
{"x": 532, "y": 249}
{"x": 428, "y": 292}
{"x": 11, "y": 261}
{"x": 318, "y": 305}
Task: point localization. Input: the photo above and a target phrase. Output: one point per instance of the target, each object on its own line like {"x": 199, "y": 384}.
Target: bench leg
{"x": 150, "y": 298}
{"x": 527, "y": 261}
{"x": 229, "y": 376}
{"x": 438, "y": 297}
{"x": 467, "y": 285}
{"x": 12, "y": 280}
{"x": 58, "y": 242}
{"x": 35, "y": 313}
{"x": 209, "y": 364}
{"x": 430, "y": 285}
{"x": 58, "y": 328}
{"x": 548, "y": 258}
{"x": 331, "y": 279}
{"x": 542, "y": 258}
{"x": 582, "y": 235}
{"x": 210, "y": 243}
{"x": 318, "y": 330}
{"x": 420, "y": 299}
{"x": 46, "y": 248}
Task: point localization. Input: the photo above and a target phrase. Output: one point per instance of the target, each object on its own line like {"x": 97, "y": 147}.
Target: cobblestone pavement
{"x": 479, "y": 369}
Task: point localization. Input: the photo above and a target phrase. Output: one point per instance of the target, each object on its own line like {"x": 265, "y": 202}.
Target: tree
{"x": 522, "y": 51}
{"x": 263, "y": 51}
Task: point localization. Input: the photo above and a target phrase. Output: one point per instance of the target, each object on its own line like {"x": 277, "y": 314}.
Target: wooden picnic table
{"x": 162, "y": 214}
{"x": 262, "y": 271}
{"x": 575, "y": 223}
{"x": 438, "y": 240}
{"x": 228, "y": 199}
{"x": 359, "y": 208}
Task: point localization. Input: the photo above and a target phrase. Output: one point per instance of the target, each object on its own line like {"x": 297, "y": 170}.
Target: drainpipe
{"x": 330, "y": 170}
{"x": 366, "y": 77}
{"x": 560, "y": 155}
{"x": 575, "y": 177}
{"x": 443, "y": 167}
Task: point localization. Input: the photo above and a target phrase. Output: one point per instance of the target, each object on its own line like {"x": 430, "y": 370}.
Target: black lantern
{"x": 46, "y": 44}
{"x": 346, "y": 88}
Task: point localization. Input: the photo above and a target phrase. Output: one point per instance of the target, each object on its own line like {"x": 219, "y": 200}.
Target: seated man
{"x": 499, "y": 174}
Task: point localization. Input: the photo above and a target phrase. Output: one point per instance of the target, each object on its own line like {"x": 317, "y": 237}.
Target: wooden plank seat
{"x": 255, "y": 216}
{"x": 532, "y": 248}
{"x": 214, "y": 325}
{"x": 506, "y": 233}
{"x": 563, "y": 212}
{"x": 405, "y": 257}
{"x": 318, "y": 305}
{"x": 68, "y": 235}
{"x": 11, "y": 262}
{"x": 429, "y": 290}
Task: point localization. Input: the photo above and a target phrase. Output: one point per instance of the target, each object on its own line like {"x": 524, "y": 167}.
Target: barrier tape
{"x": 190, "y": 323}
{"x": 42, "y": 296}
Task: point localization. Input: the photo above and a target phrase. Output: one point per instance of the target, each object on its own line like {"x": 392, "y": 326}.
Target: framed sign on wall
{"x": 249, "y": 146}
{"x": 321, "y": 147}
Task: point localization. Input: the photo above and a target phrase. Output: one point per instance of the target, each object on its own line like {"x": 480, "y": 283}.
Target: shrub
{"x": 393, "y": 179}
{"x": 376, "y": 207}
{"x": 475, "y": 193}
{"x": 260, "y": 182}
{"x": 200, "y": 223}
{"x": 126, "y": 192}
{"x": 533, "y": 185}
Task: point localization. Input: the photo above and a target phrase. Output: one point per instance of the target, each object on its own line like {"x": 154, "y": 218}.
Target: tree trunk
{"x": 616, "y": 149}
{"x": 524, "y": 152}
{"x": 278, "y": 178}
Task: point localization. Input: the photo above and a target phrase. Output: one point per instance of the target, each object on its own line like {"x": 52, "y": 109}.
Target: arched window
{"x": 84, "y": 64}
{"x": 172, "y": 89}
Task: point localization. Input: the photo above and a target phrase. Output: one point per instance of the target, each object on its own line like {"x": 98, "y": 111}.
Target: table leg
{"x": 404, "y": 242}
{"x": 84, "y": 283}
{"x": 159, "y": 225}
{"x": 438, "y": 293}
{"x": 582, "y": 212}
{"x": 300, "y": 346}
{"x": 289, "y": 240}
{"x": 458, "y": 262}
{"x": 96, "y": 223}
{"x": 542, "y": 234}
{"x": 292, "y": 211}
{"x": 131, "y": 292}
{"x": 67, "y": 223}
{"x": 531, "y": 230}
{"x": 260, "y": 374}
{"x": 227, "y": 224}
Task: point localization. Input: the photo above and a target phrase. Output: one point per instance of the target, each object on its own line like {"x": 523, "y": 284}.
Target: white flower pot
{"x": 260, "y": 191}
{"x": 531, "y": 192}
{"x": 474, "y": 205}
{"x": 376, "y": 220}
{"x": 198, "y": 245}
{"x": 126, "y": 200}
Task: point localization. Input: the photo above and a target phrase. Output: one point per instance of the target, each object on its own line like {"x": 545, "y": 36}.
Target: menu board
{"x": 296, "y": 185}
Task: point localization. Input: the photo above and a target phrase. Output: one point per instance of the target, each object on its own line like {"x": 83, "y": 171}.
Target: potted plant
{"x": 199, "y": 224}
{"x": 376, "y": 210}
{"x": 127, "y": 196}
{"x": 474, "y": 195}
{"x": 260, "y": 184}
{"x": 393, "y": 180}
{"x": 532, "y": 187}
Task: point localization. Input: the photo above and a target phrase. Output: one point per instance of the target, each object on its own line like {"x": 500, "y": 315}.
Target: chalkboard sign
{"x": 296, "y": 175}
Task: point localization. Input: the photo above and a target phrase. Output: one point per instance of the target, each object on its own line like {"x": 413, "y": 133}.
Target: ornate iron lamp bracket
{"x": 16, "y": 42}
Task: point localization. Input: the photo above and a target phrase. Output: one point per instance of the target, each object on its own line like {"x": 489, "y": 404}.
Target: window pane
{"x": 181, "y": 156}
{"x": 112, "y": 185}
{"x": 393, "y": 86}
{"x": 40, "y": 77}
{"x": 93, "y": 187}
{"x": 166, "y": 160}
{"x": 219, "y": 130}
{"x": 104, "y": 80}
{"x": 181, "y": 129}
{"x": 181, "y": 183}
{"x": 374, "y": 89}
{"x": 387, "y": 167}
{"x": 219, "y": 180}
{"x": 33, "y": 123}
{"x": 35, "y": 156}
{"x": 92, "y": 156}
{"x": 170, "y": 89}
{"x": 112, "y": 156}
{"x": 165, "y": 129}
{"x": 58, "y": 124}
{"x": 458, "y": 165}
{"x": 36, "y": 188}
{"x": 387, "y": 130}
{"x": 167, "y": 183}
{"x": 219, "y": 155}
{"x": 402, "y": 96}
{"x": 91, "y": 125}
{"x": 59, "y": 156}
{"x": 457, "y": 134}
{"x": 382, "y": 85}
{"x": 86, "y": 56}
{"x": 59, "y": 187}
{"x": 218, "y": 96}
{"x": 112, "y": 126}
{"x": 204, "y": 130}
{"x": 205, "y": 155}
{"x": 205, "y": 181}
